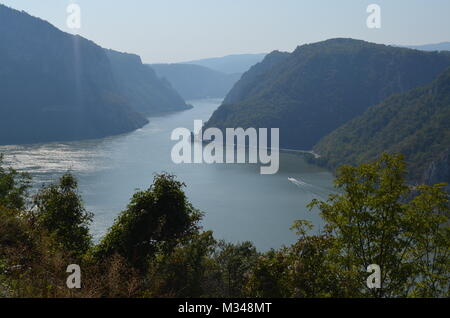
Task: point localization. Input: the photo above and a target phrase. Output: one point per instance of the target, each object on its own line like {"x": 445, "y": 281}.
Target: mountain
{"x": 250, "y": 82}
{"x": 56, "y": 86}
{"x": 141, "y": 87}
{"x": 415, "y": 123}
{"x": 195, "y": 81}
{"x": 443, "y": 46}
{"x": 230, "y": 64}
{"x": 320, "y": 86}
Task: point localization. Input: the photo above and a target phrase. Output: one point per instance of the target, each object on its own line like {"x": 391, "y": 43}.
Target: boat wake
{"x": 312, "y": 189}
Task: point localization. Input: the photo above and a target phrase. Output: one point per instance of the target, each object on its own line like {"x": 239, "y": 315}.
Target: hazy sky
{"x": 180, "y": 30}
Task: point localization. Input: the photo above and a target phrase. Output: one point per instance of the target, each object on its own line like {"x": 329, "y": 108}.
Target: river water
{"x": 239, "y": 203}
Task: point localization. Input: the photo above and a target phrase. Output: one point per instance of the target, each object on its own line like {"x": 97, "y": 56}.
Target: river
{"x": 239, "y": 203}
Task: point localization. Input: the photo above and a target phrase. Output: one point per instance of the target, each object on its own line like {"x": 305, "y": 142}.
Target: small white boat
{"x": 296, "y": 182}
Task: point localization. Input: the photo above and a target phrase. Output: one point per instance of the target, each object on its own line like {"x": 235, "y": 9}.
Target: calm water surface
{"x": 239, "y": 203}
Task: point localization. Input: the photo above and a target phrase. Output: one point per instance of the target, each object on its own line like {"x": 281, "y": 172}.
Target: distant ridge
{"x": 236, "y": 63}
{"x": 443, "y": 46}
{"x": 196, "y": 81}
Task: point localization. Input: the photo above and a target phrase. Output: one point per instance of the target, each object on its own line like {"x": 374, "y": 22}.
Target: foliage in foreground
{"x": 156, "y": 247}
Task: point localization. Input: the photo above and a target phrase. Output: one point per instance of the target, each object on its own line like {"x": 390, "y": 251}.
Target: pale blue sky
{"x": 179, "y": 30}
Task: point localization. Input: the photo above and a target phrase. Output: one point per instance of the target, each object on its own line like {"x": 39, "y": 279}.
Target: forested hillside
{"x": 140, "y": 85}
{"x": 415, "y": 123}
{"x": 320, "y": 86}
{"x": 56, "y": 86}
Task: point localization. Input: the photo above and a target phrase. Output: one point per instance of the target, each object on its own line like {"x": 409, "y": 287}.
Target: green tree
{"x": 429, "y": 222}
{"x": 14, "y": 187}
{"x": 60, "y": 211}
{"x": 312, "y": 269}
{"x": 306, "y": 269}
{"x": 156, "y": 220}
{"x": 376, "y": 218}
{"x": 269, "y": 277}
{"x": 235, "y": 262}
{"x": 184, "y": 271}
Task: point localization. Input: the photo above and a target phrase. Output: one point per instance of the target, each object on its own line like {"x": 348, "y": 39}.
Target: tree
{"x": 156, "y": 220}
{"x": 429, "y": 222}
{"x": 269, "y": 277}
{"x": 235, "y": 262}
{"x": 183, "y": 272}
{"x": 376, "y": 218}
{"x": 14, "y": 187}
{"x": 312, "y": 270}
{"x": 305, "y": 269}
{"x": 60, "y": 211}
